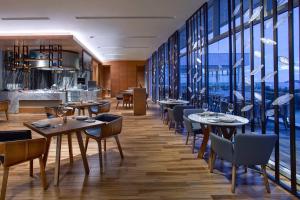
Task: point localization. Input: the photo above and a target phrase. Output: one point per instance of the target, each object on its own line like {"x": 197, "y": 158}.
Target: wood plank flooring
{"x": 157, "y": 165}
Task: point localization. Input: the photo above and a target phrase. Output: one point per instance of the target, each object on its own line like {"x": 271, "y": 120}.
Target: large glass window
{"x": 182, "y": 64}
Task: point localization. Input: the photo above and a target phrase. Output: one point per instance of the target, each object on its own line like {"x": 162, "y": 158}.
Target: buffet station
{"x": 35, "y": 78}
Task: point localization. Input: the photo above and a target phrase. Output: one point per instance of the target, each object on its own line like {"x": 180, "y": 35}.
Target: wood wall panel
{"x": 123, "y": 74}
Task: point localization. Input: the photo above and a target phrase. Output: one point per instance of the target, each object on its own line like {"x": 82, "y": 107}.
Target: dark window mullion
{"x": 276, "y": 114}
{"x": 262, "y": 35}
{"x": 292, "y": 102}
{"x": 252, "y": 64}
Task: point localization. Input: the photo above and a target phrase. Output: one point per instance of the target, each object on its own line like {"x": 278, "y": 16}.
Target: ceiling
{"x": 109, "y": 29}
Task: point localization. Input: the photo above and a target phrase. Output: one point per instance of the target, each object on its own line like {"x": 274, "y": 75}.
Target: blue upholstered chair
{"x": 247, "y": 149}
{"x": 178, "y": 115}
{"x": 191, "y": 127}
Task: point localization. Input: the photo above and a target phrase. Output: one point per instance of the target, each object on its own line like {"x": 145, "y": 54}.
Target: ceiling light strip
{"x": 123, "y": 17}
{"x": 24, "y": 18}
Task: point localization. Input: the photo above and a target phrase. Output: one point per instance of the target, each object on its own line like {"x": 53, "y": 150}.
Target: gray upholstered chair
{"x": 191, "y": 127}
{"x": 170, "y": 117}
{"x": 247, "y": 149}
{"x": 111, "y": 128}
{"x": 178, "y": 115}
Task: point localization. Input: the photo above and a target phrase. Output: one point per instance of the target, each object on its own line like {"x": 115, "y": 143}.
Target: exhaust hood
{"x": 70, "y": 61}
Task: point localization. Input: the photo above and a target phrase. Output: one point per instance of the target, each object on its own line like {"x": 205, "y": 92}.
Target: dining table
{"x": 225, "y": 124}
{"x": 58, "y": 127}
{"x": 81, "y": 106}
{"x": 173, "y": 102}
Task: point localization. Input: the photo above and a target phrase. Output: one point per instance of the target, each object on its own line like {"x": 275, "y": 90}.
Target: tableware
{"x": 230, "y": 107}
{"x": 227, "y": 119}
{"x": 41, "y": 124}
{"x": 90, "y": 120}
{"x": 82, "y": 118}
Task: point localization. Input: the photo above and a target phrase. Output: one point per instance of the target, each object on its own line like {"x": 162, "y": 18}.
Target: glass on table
{"x": 230, "y": 108}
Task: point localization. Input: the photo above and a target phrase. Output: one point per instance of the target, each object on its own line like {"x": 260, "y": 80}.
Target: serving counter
{"x": 34, "y": 101}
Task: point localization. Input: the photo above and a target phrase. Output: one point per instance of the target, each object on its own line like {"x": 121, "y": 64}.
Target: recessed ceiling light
{"x": 92, "y": 36}
{"x": 24, "y": 18}
{"x": 123, "y": 17}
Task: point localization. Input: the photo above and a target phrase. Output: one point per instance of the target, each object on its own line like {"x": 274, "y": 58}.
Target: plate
{"x": 90, "y": 120}
{"x": 41, "y": 124}
{"x": 227, "y": 119}
{"x": 81, "y": 118}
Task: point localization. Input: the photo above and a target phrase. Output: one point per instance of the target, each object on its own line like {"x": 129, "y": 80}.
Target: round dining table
{"x": 225, "y": 124}
{"x": 172, "y": 103}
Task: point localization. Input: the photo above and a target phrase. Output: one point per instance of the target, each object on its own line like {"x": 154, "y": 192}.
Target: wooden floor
{"x": 157, "y": 165}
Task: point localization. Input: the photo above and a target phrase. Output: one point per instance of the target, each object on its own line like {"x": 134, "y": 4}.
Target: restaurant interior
{"x": 140, "y": 99}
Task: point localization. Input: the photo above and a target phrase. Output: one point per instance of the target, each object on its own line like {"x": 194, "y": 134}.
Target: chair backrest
{"x": 253, "y": 149}
{"x": 187, "y": 124}
{"x": 187, "y": 112}
{"x": 113, "y": 125}
{"x": 178, "y": 112}
{"x": 16, "y": 152}
{"x": 127, "y": 97}
{"x": 105, "y": 107}
{"x": 222, "y": 147}
{"x": 15, "y": 135}
{"x": 170, "y": 113}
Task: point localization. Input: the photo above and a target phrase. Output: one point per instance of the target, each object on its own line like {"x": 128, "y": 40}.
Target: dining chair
{"x": 17, "y": 147}
{"x": 247, "y": 149}
{"x": 170, "y": 120}
{"x": 111, "y": 128}
{"x": 119, "y": 98}
{"x": 101, "y": 108}
{"x": 4, "y": 108}
{"x": 178, "y": 115}
{"x": 127, "y": 100}
{"x": 191, "y": 127}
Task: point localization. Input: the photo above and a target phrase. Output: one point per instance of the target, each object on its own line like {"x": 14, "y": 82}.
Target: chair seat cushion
{"x": 196, "y": 128}
{"x": 94, "y": 132}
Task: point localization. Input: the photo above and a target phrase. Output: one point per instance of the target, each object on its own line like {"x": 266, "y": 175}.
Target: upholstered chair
{"x": 17, "y": 147}
{"x": 97, "y": 109}
{"x": 111, "y": 128}
{"x": 191, "y": 127}
{"x": 247, "y": 149}
{"x": 178, "y": 115}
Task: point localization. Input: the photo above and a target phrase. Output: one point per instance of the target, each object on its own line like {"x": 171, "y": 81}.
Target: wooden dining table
{"x": 59, "y": 128}
{"x": 217, "y": 120}
{"x": 81, "y": 106}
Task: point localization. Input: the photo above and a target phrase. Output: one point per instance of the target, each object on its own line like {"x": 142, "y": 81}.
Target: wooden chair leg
{"x": 4, "y": 183}
{"x": 194, "y": 142}
{"x": 43, "y": 174}
{"x": 263, "y": 168}
{"x": 100, "y": 155}
{"x": 119, "y": 147}
{"x": 175, "y": 127}
{"x": 31, "y": 168}
{"x": 70, "y": 148}
{"x": 6, "y": 113}
{"x": 86, "y": 143}
{"x": 212, "y": 161}
{"x": 104, "y": 144}
{"x": 233, "y": 178}
{"x": 187, "y": 138}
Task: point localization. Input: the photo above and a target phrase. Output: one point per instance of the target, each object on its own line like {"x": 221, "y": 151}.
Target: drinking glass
{"x": 205, "y": 107}
{"x": 230, "y": 108}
